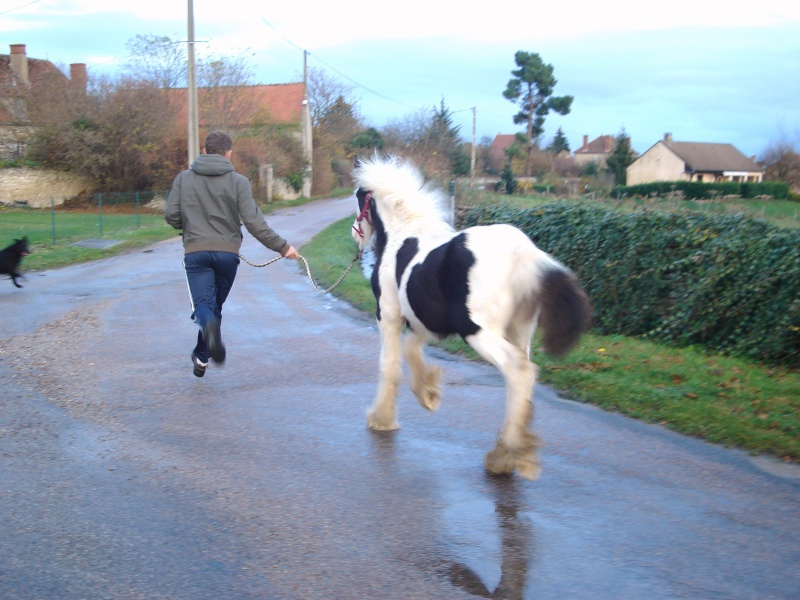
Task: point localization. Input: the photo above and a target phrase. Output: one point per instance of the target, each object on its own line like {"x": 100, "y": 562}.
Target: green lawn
{"x": 51, "y": 234}
{"x": 783, "y": 213}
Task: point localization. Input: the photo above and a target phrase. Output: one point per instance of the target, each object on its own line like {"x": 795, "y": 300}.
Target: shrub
{"x": 775, "y": 189}
{"x": 696, "y": 190}
{"x": 729, "y": 283}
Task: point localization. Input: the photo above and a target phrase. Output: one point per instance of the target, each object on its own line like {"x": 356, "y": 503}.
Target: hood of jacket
{"x": 212, "y": 165}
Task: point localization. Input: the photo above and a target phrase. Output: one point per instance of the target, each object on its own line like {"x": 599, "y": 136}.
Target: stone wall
{"x": 13, "y": 138}
{"x": 37, "y": 187}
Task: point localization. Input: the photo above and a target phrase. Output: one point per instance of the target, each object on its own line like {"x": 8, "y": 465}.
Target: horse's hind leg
{"x": 425, "y": 378}
{"x": 516, "y": 445}
{"x": 383, "y": 414}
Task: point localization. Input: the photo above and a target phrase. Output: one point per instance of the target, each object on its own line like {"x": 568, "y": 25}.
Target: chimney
{"x": 77, "y": 77}
{"x": 668, "y": 137}
{"x": 585, "y": 141}
{"x": 19, "y": 63}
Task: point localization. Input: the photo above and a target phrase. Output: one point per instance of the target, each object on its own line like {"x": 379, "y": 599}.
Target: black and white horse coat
{"x": 490, "y": 285}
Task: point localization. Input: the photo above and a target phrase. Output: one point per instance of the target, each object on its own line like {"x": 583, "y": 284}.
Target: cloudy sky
{"x": 705, "y": 71}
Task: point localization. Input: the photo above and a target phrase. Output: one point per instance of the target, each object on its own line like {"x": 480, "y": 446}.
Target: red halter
{"x": 363, "y": 215}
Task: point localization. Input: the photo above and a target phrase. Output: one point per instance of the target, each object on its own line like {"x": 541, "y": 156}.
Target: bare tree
{"x": 782, "y": 161}
{"x": 324, "y": 92}
{"x": 429, "y": 137}
{"x": 160, "y": 60}
{"x": 226, "y": 98}
{"x": 335, "y": 121}
{"x": 120, "y": 135}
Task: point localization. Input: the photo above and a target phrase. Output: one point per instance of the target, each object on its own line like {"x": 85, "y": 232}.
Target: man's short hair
{"x": 218, "y": 142}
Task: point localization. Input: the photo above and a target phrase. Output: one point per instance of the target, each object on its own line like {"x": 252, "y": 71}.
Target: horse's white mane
{"x": 399, "y": 186}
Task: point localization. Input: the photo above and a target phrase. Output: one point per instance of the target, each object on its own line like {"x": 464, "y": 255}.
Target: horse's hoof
{"x": 431, "y": 397}
{"x": 529, "y": 470}
{"x": 379, "y": 424}
{"x": 499, "y": 462}
{"x": 431, "y": 400}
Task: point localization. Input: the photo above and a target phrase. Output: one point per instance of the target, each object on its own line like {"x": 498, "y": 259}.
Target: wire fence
{"x": 97, "y": 215}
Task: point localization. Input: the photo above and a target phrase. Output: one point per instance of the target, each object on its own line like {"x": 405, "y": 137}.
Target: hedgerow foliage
{"x": 729, "y": 283}
{"x": 697, "y": 190}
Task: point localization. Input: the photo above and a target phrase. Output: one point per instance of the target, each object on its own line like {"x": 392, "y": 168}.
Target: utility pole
{"x": 472, "y": 161}
{"x": 194, "y": 134}
{"x": 308, "y": 152}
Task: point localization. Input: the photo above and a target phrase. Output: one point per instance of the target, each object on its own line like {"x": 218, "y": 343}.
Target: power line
{"x": 350, "y": 79}
{"x": 23, "y": 6}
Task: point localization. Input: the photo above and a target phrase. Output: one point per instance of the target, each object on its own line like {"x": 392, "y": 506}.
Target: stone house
{"x": 596, "y": 151}
{"x": 669, "y": 160}
{"x": 21, "y": 78}
{"x": 242, "y": 109}
{"x": 497, "y": 150}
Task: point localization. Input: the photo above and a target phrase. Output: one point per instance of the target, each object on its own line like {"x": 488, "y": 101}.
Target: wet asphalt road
{"x": 123, "y": 476}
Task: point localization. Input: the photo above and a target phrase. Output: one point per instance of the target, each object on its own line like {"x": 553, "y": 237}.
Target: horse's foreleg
{"x": 516, "y": 445}
{"x": 383, "y": 414}
{"x": 424, "y": 378}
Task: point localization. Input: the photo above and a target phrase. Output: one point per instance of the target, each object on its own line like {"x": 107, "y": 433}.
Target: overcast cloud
{"x": 704, "y": 71}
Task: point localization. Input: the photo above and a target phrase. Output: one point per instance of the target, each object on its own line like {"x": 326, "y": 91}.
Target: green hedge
{"x": 776, "y": 189}
{"x": 729, "y": 283}
{"x": 696, "y": 190}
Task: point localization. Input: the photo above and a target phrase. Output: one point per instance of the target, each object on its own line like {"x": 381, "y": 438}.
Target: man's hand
{"x": 292, "y": 253}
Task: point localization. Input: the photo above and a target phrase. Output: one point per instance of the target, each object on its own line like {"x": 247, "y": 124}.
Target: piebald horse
{"x": 488, "y": 284}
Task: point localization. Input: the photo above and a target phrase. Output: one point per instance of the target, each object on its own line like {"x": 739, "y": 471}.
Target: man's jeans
{"x": 210, "y": 276}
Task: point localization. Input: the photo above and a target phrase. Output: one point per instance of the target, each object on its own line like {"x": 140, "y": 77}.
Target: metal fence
{"x": 96, "y": 215}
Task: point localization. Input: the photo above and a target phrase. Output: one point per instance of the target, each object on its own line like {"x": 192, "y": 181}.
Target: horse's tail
{"x": 565, "y": 311}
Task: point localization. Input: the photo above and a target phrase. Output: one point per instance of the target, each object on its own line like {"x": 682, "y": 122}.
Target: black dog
{"x": 10, "y": 258}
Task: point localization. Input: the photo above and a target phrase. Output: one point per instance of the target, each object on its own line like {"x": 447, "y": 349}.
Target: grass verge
{"x": 130, "y": 230}
{"x": 729, "y": 401}
{"x": 51, "y": 234}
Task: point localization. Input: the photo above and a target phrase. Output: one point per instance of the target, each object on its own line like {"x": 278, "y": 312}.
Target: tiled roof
{"x": 497, "y": 149}
{"x": 601, "y": 145}
{"x": 282, "y": 103}
{"x": 503, "y": 140}
{"x": 10, "y": 87}
{"x": 38, "y": 70}
{"x": 701, "y": 156}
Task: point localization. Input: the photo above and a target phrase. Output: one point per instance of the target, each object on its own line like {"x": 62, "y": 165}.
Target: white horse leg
{"x": 516, "y": 445}
{"x": 383, "y": 414}
{"x": 424, "y": 378}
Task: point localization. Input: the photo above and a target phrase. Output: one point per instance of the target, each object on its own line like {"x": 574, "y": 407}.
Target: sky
{"x": 702, "y": 70}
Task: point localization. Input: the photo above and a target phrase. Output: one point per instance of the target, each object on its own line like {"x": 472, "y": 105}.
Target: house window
{"x": 20, "y": 149}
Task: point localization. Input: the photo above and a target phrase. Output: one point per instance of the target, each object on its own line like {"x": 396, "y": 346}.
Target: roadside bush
{"x": 696, "y": 190}
{"x": 729, "y": 283}
{"x": 775, "y": 189}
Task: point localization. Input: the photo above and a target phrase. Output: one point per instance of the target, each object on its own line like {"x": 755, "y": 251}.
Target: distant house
{"x": 497, "y": 151}
{"x": 596, "y": 151}
{"x": 21, "y": 79}
{"x": 242, "y": 107}
{"x": 668, "y": 160}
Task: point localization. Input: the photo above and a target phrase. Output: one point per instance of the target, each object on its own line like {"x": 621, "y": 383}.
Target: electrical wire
{"x": 337, "y": 71}
{"x": 19, "y": 7}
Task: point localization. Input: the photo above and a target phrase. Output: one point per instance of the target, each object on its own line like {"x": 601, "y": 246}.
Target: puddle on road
{"x": 489, "y": 541}
{"x": 96, "y": 244}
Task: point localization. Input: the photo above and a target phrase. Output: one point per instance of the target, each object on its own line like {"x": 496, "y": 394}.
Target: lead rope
{"x": 308, "y": 270}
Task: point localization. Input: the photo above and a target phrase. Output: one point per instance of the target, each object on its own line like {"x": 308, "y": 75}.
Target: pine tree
{"x": 532, "y": 88}
{"x": 621, "y": 158}
{"x": 559, "y": 143}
